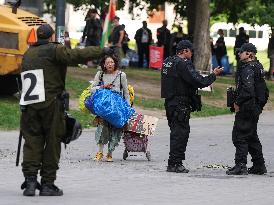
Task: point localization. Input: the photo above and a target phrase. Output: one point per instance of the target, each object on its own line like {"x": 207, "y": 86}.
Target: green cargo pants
{"x": 42, "y": 130}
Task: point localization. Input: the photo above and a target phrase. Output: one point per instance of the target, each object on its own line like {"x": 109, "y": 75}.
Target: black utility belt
{"x": 179, "y": 98}
{"x": 64, "y": 98}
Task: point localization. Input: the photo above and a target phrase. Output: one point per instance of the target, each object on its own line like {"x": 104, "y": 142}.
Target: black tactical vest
{"x": 261, "y": 90}
{"x": 171, "y": 84}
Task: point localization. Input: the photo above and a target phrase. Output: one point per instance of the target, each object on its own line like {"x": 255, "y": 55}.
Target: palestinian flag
{"x": 108, "y": 22}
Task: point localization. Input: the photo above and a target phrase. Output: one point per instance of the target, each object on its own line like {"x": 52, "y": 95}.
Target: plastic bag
{"x": 131, "y": 93}
{"x": 110, "y": 106}
{"x": 86, "y": 93}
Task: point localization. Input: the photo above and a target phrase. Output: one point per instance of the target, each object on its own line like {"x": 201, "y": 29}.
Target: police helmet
{"x": 184, "y": 44}
{"x": 248, "y": 47}
{"x": 73, "y": 130}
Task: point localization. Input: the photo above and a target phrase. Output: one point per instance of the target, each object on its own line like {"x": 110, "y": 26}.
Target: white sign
{"x": 33, "y": 89}
{"x": 143, "y": 124}
{"x": 208, "y": 88}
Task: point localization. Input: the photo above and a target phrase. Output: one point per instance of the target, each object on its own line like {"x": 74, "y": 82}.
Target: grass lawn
{"x": 146, "y": 83}
{"x": 9, "y": 113}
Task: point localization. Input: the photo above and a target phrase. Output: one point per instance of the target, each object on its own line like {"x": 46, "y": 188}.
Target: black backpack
{"x": 261, "y": 90}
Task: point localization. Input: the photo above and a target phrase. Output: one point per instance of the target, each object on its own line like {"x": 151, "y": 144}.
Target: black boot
{"x": 238, "y": 169}
{"x": 178, "y": 168}
{"x": 50, "y": 190}
{"x": 30, "y": 184}
{"x": 257, "y": 169}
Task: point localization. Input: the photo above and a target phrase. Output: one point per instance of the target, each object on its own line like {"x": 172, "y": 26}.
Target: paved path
{"x": 139, "y": 182}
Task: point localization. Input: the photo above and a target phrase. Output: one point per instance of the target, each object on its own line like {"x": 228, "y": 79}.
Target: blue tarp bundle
{"x": 110, "y": 106}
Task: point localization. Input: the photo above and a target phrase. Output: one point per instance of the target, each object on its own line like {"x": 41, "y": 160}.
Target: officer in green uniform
{"x": 43, "y": 122}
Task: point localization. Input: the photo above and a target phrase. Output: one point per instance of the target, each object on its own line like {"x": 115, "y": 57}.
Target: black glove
{"x": 108, "y": 51}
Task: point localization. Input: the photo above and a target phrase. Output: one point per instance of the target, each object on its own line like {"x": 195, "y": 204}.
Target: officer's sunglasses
{"x": 243, "y": 52}
{"x": 188, "y": 50}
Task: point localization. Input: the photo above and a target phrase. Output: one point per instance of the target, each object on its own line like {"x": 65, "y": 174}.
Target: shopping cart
{"x": 135, "y": 142}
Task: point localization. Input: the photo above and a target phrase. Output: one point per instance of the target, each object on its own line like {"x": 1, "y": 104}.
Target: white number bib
{"x": 33, "y": 89}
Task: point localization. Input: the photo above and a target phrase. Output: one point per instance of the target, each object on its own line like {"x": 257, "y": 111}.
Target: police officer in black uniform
{"x": 180, "y": 82}
{"x": 43, "y": 125}
{"x": 248, "y": 106}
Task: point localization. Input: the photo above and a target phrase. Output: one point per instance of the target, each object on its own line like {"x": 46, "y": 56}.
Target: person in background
{"x": 67, "y": 39}
{"x": 220, "y": 47}
{"x": 109, "y": 78}
{"x": 270, "y": 54}
{"x": 176, "y": 37}
{"x": 163, "y": 37}
{"x": 116, "y": 38}
{"x": 93, "y": 29}
{"x": 241, "y": 38}
{"x": 143, "y": 37}
{"x": 125, "y": 41}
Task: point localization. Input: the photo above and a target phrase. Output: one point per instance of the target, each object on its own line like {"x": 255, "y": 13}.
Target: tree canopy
{"x": 250, "y": 11}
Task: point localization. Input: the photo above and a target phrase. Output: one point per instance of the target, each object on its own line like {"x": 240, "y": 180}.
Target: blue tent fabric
{"x": 110, "y": 106}
{"x": 214, "y": 62}
{"x": 224, "y": 62}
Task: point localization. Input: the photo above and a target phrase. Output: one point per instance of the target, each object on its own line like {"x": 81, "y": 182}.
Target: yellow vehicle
{"x": 17, "y": 32}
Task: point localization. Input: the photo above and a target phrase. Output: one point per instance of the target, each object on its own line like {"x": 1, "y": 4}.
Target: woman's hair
{"x": 115, "y": 59}
{"x": 90, "y": 11}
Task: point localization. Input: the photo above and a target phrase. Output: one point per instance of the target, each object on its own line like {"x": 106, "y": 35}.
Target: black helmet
{"x": 73, "y": 130}
{"x": 249, "y": 47}
{"x": 44, "y": 31}
{"x": 184, "y": 44}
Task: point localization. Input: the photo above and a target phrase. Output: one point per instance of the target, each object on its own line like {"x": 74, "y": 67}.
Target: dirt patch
{"x": 143, "y": 88}
{"x": 147, "y": 86}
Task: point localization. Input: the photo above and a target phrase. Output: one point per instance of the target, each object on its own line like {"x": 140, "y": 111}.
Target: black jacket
{"x": 179, "y": 78}
{"x": 245, "y": 84}
{"x": 163, "y": 36}
{"x": 139, "y": 33}
{"x": 93, "y": 29}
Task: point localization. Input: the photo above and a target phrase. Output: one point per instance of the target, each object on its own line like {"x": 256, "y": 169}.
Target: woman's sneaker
{"x": 109, "y": 158}
{"x": 98, "y": 157}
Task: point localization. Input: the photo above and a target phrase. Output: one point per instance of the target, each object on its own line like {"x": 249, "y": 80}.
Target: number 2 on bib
{"x": 33, "y": 89}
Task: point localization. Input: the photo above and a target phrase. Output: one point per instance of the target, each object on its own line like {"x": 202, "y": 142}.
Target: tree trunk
{"x": 191, "y": 15}
{"x": 202, "y": 53}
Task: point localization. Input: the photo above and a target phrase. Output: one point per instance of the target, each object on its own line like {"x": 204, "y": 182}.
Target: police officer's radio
{"x": 231, "y": 96}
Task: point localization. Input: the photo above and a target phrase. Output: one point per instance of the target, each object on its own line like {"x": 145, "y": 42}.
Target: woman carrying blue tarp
{"x": 109, "y": 78}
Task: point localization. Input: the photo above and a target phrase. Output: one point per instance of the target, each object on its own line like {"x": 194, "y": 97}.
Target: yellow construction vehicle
{"x": 17, "y": 32}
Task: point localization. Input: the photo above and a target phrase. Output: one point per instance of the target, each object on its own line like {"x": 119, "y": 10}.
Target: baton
{"x": 19, "y": 148}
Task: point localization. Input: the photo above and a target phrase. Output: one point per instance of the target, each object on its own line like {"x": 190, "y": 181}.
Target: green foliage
{"x": 84, "y": 118}
{"x": 208, "y": 110}
{"x": 9, "y": 113}
{"x": 259, "y": 12}
{"x": 230, "y": 8}
{"x": 251, "y": 11}
{"x": 149, "y": 103}
{"x": 101, "y": 5}
{"x": 75, "y": 86}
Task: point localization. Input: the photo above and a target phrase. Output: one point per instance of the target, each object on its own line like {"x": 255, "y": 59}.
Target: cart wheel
{"x": 125, "y": 155}
{"x": 148, "y": 156}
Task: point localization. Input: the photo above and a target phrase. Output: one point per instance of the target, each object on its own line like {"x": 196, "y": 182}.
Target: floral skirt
{"x": 107, "y": 134}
